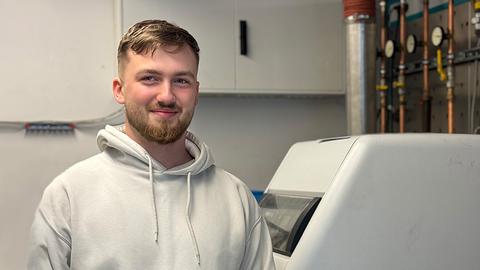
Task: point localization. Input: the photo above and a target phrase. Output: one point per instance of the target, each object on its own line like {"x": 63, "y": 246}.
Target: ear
{"x": 118, "y": 91}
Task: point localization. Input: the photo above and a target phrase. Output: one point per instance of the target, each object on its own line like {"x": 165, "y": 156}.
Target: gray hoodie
{"x": 121, "y": 209}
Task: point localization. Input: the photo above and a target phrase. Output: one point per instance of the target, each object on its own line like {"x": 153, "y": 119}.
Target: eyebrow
{"x": 185, "y": 73}
{"x": 158, "y": 73}
{"x": 148, "y": 71}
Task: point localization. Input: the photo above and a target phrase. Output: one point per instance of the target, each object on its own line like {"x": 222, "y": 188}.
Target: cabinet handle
{"x": 243, "y": 38}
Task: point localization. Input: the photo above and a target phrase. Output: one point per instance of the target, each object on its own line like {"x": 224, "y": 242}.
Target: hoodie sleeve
{"x": 258, "y": 248}
{"x": 50, "y": 242}
{"x": 258, "y": 253}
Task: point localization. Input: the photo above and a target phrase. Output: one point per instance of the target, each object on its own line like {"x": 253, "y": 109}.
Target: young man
{"x": 153, "y": 198}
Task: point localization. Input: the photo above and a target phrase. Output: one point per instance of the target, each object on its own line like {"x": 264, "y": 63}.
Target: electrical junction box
{"x": 396, "y": 201}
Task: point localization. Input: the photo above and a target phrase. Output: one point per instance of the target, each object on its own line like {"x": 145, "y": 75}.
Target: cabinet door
{"x": 211, "y": 22}
{"x": 294, "y": 47}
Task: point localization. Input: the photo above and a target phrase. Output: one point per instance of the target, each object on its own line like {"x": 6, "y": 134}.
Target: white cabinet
{"x": 294, "y": 46}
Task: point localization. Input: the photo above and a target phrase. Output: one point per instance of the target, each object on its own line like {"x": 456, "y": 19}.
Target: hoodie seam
{"x": 50, "y": 224}
{"x": 259, "y": 219}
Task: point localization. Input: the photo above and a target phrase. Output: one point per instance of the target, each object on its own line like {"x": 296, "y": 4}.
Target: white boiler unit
{"x": 398, "y": 201}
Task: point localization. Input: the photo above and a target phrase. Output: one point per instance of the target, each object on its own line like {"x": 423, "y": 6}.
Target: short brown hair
{"x": 149, "y": 35}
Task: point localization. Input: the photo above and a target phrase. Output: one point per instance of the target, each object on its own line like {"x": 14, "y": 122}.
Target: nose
{"x": 165, "y": 94}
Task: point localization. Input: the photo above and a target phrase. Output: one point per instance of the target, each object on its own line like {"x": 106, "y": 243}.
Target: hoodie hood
{"x": 115, "y": 138}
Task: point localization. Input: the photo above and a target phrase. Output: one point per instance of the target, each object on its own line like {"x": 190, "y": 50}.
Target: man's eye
{"x": 181, "y": 81}
{"x": 148, "y": 79}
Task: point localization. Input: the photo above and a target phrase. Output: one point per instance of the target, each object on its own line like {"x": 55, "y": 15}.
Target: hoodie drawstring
{"x": 187, "y": 211}
{"x": 189, "y": 224}
{"x": 154, "y": 198}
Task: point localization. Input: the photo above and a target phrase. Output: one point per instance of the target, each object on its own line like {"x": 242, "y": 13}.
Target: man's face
{"x": 159, "y": 91}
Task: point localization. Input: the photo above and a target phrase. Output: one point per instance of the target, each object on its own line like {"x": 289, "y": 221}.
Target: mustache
{"x": 163, "y": 105}
{"x": 160, "y": 105}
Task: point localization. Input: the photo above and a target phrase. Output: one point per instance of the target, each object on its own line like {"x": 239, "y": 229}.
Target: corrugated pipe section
{"x": 359, "y": 18}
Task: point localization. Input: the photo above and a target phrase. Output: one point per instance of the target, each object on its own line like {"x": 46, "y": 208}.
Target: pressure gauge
{"x": 438, "y": 35}
{"x": 411, "y": 43}
{"x": 389, "y": 48}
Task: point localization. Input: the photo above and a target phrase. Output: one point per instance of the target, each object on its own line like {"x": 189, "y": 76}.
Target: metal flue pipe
{"x": 359, "y": 17}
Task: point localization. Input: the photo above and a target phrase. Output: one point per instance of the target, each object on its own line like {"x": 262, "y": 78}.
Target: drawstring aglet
{"x": 198, "y": 259}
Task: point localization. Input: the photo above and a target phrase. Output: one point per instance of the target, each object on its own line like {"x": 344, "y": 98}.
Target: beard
{"x": 159, "y": 131}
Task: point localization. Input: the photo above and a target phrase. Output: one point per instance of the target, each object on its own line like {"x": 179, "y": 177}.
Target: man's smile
{"x": 164, "y": 113}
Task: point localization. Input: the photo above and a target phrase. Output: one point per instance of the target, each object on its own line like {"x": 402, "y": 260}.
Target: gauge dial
{"x": 411, "y": 43}
{"x": 438, "y": 35}
{"x": 389, "y": 48}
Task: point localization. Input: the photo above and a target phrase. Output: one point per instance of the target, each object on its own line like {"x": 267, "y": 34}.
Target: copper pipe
{"x": 426, "y": 98}
{"x": 450, "y": 78}
{"x": 383, "y": 112}
{"x": 401, "y": 68}
{"x": 450, "y": 114}
{"x": 450, "y": 27}
{"x": 383, "y": 86}
{"x": 402, "y": 114}
{"x": 402, "y": 32}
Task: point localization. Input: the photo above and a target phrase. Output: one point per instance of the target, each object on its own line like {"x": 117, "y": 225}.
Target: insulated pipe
{"x": 426, "y": 98}
{"x": 400, "y": 84}
{"x": 360, "y": 73}
{"x": 382, "y": 87}
{"x": 450, "y": 77}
